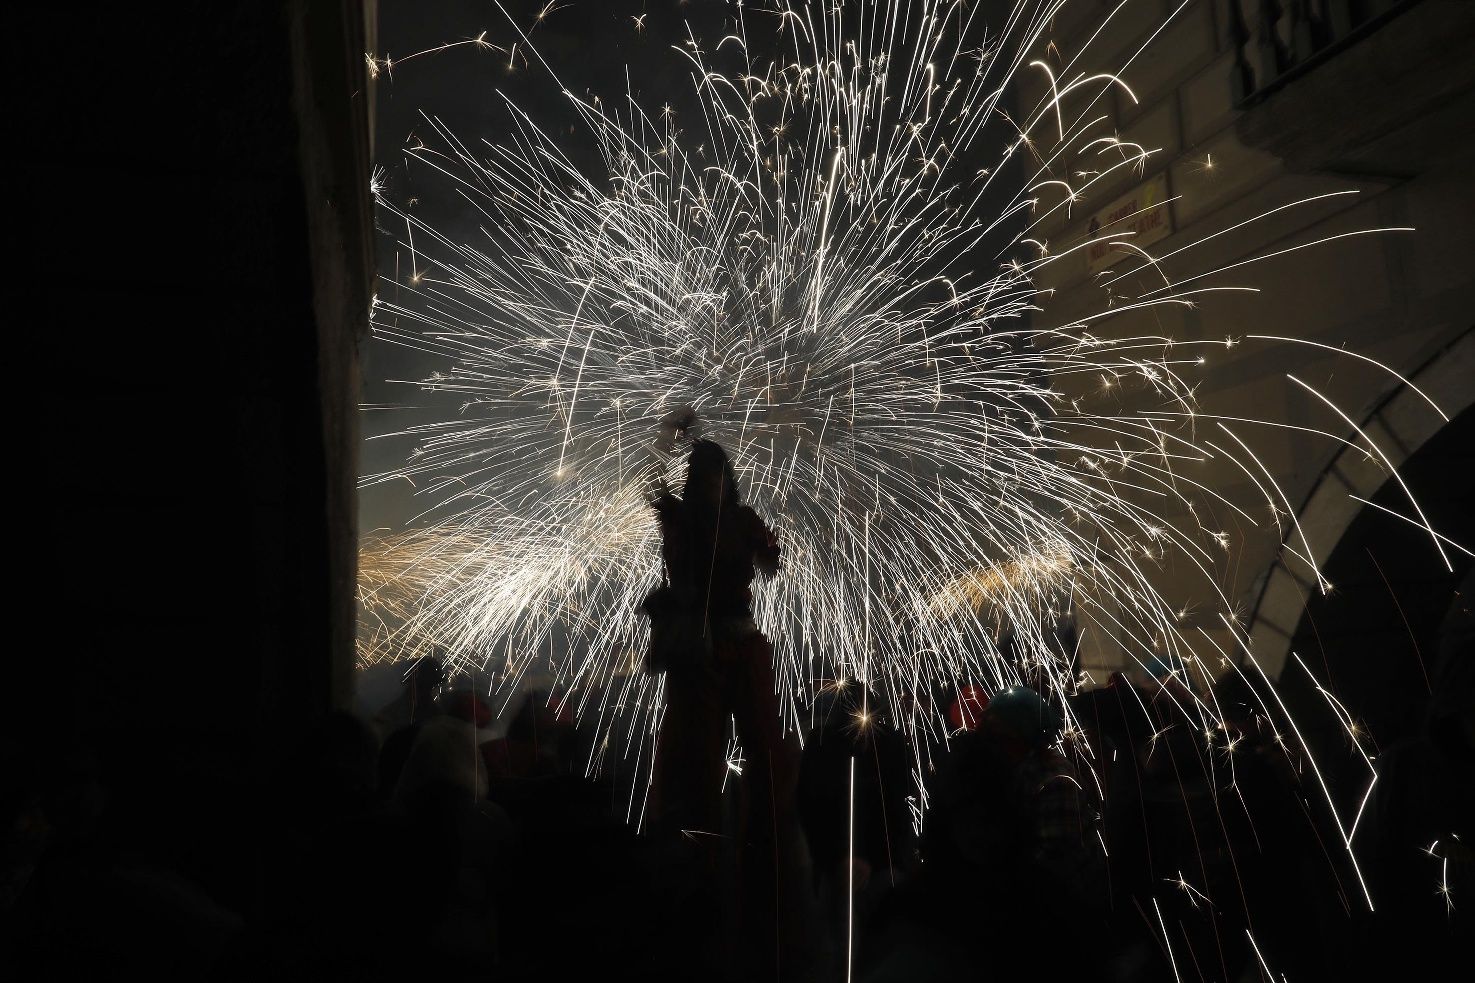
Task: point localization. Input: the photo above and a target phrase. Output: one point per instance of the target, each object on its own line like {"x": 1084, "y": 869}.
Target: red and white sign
{"x": 1130, "y": 223}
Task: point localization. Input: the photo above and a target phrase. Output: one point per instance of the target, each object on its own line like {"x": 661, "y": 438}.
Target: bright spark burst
{"x": 845, "y": 284}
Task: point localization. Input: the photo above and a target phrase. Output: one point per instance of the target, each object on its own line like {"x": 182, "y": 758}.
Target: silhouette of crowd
{"x": 1116, "y": 838}
{"x": 432, "y": 845}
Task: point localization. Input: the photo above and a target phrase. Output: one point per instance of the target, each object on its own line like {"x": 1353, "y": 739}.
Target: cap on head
{"x": 966, "y": 711}
{"x": 427, "y": 669}
{"x": 1023, "y": 713}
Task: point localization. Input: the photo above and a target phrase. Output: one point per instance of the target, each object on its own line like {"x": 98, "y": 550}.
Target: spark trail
{"x": 839, "y": 268}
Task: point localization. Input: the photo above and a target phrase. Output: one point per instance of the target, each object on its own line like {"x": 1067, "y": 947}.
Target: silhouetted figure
{"x": 422, "y": 679}
{"x": 1011, "y": 881}
{"x": 459, "y": 840}
{"x": 1271, "y": 838}
{"x": 539, "y": 742}
{"x": 325, "y": 903}
{"x": 1199, "y": 821}
{"x": 717, "y": 666}
{"x": 392, "y": 757}
{"x": 1054, "y": 811}
{"x": 966, "y": 709}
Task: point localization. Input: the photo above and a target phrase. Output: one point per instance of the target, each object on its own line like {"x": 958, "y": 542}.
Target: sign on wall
{"x": 1134, "y": 221}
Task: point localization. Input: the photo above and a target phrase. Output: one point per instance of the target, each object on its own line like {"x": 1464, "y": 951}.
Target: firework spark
{"x": 839, "y": 268}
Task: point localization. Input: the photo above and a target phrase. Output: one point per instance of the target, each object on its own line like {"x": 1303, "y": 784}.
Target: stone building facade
{"x": 1246, "y": 106}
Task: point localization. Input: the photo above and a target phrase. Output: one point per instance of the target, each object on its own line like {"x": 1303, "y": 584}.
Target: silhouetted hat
{"x": 1024, "y": 713}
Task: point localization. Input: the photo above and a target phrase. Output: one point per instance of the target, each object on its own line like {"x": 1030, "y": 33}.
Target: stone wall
{"x": 1396, "y": 297}
{"x": 195, "y": 233}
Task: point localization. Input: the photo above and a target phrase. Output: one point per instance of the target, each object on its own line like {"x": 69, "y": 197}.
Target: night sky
{"x": 591, "y": 45}
{"x": 595, "y": 46}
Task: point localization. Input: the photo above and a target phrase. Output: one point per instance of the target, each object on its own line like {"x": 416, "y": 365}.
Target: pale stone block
{"x": 1206, "y": 101}
{"x": 1186, "y": 43}
{"x": 1270, "y": 648}
{"x": 1438, "y": 206}
{"x": 1221, "y": 243}
{"x": 1121, "y": 32}
{"x": 1219, "y": 171}
{"x": 1049, "y": 220}
{"x": 1156, "y": 132}
{"x": 1390, "y": 445}
{"x": 1285, "y": 599}
{"x": 1063, "y": 275}
{"x": 1364, "y": 473}
{"x": 1074, "y": 21}
{"x": 1256, "y": 557}
{"x": 1449, "y": 380}
{"x": 1325, "y": 518}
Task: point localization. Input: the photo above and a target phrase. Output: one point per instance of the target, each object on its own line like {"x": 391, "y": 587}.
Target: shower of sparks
{"x": 385, "y": 65}
{"x": 838, "y": 267}
{"x": 1442, "y": 890}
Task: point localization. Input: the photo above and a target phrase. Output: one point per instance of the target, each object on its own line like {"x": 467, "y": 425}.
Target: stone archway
{"x": 1401, "y": 425}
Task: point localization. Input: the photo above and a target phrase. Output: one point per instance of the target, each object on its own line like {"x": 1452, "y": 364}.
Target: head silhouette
{"x": 710, "y": 477}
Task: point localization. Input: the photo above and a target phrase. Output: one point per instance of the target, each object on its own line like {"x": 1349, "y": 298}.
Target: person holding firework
{"x": 718, "y": 664}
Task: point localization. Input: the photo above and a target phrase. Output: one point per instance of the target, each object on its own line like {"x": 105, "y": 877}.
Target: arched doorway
{"x": 1403, "y": 424}
{"x": 1375, "y": 642}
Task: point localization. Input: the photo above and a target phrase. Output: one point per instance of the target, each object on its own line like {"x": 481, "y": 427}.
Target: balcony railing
{"x": 1292, "y": 37}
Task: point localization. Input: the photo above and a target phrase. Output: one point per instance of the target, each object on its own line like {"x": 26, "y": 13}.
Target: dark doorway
{"x": 1375, "y": 641}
